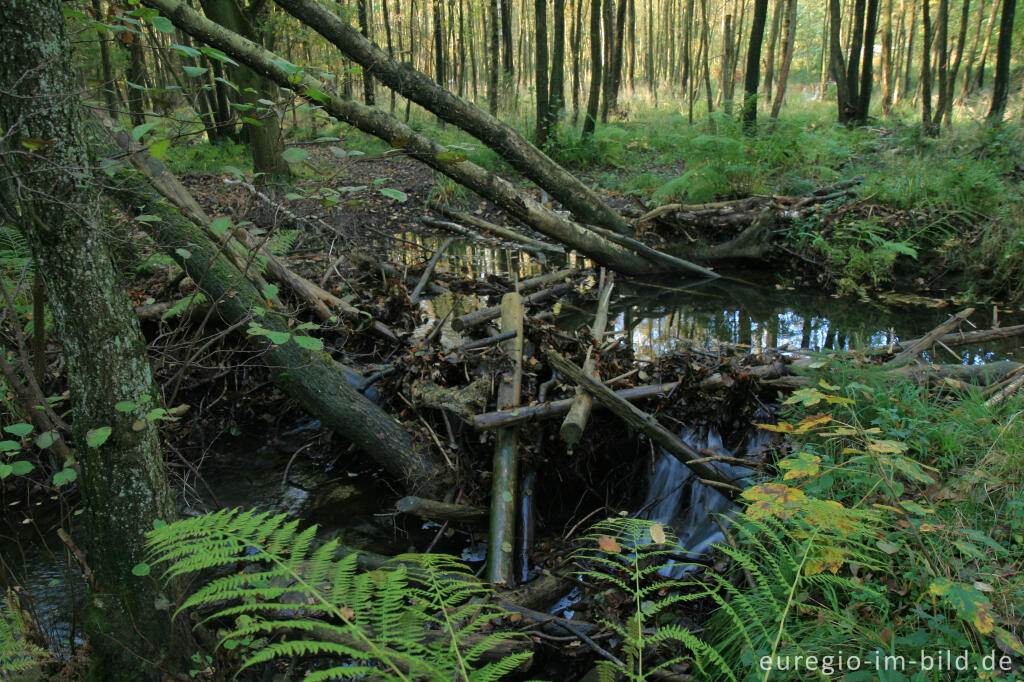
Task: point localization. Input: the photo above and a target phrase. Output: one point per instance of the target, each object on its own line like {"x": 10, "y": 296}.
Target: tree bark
{"x": 789, "y": 25}
{"x": 926, "y": 69}
{"x": 540, "y": 70}
{"x": 556, "y": 96}
{"x": 594, "y": 99}
{"x": 363, "y": 10}
{"x": 494, "y": 30}
{"x": 379, "y": 124}
{"x": 753, "y": 66}
{"x": 49, "y": 192}
{"x": 867, "y": 80}
{"x": 1001, "y": 83}
{"x": 507, "y": 64}
{"x": 887, "y": 57}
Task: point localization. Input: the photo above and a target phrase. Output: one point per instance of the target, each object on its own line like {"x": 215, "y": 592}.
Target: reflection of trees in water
{"x": 475, "y": 260}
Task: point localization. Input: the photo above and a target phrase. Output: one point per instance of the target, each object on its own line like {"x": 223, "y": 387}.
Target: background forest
{"x": 222, "y": 276}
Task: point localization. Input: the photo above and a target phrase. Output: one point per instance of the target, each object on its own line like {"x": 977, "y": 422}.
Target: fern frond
{"x": 418, "y": 618}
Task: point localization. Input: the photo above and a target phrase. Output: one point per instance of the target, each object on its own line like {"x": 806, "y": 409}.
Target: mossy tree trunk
{"x": 123, "y": 481}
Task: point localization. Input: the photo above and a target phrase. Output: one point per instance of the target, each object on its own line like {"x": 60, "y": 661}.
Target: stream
{"x": 353, "y": 501}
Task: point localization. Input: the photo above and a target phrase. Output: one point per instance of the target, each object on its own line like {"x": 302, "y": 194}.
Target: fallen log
{"x": 422, "y": 89}
{"x": 912, "y": 350}
{"x": 459, "y": 400}
{"x": 498, "y": 230}
{"x": 504, "y": 473}
{"x": 493, "y": 312}
{"x": 483, "y": 343}
{"x": 648, "y": 425}
{"x": 575, "y": 421}
{"x": 549, "y": 278}
{"x": 400, "y": 136}
{"x": 324, "y": 388}
{"x": 432, "y": 510}
{"x": 978, "y": 336}
{"x": 558, "y": 408}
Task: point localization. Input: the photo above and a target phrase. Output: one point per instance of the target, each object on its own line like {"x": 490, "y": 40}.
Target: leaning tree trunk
{"x": 789, "y": 25}
{"x": 323, "y": 387}
{"x": 399, "y": 135}
{"x": 749, "y": 111}
{"x": 50, "y": 193}
{"x": 502, "y": 138}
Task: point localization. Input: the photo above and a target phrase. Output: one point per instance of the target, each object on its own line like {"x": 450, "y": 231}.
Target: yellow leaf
{"x": 608, "y": 544}
{"x": 658, "y": 533}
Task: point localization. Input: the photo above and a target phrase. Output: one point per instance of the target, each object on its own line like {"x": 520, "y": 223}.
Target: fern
{"x": 19, "y": 658}
{"x": 421, "y": 618}
{"x": 624, "y": 553}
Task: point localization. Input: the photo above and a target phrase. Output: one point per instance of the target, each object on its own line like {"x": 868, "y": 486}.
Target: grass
{"x": 943, "y": 470}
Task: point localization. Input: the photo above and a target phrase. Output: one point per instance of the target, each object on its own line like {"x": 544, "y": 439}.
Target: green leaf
{"x": 9, "y": 446}
{"x": 309, "y": 342}
{"x": 46, "y": 439}
{"x": 5, "y": 470}
{"x": 98, "y": 436}
{"x": 140, "y": 130}
{"x": 163, "y": 24}
{"x": 125, "y": 406}
{"x": 294, "y": 155}
{"x": 220, "y": 225}
{"x": 185, "y": 51}
{"x": 195, "y": 71}
{"x": 214, "y": 53}
{"x": 184, "y": 253}
{"x": 270, "y": 291}
{"x": 394, "y": 194}
{"x": 20, "y": 430}
{"x": 159, "y": 149}
{"x": 65, "y": 476}
{"x": 140, "y": 569}
{"x": 21, "y": 467}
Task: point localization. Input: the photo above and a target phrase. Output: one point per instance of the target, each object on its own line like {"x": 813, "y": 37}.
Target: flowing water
{"x": 658, "y": 318}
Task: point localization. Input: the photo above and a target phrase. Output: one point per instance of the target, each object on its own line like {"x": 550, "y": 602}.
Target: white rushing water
{"x": 678, "y": 500}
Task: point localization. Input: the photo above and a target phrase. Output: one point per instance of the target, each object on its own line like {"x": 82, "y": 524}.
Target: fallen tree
{"x": 324, "y": 388}
{"x": 398, "y": 135}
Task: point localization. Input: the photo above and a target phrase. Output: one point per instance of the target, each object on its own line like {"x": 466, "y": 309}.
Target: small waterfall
{"x": 677, "y": 499}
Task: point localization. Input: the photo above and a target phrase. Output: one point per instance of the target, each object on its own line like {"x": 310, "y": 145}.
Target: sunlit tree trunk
{"x": 789, "y": 33}
{"x": 926, "y": 68}
{"x": 51, "y": 193}
{"x": 954, "y": 69}
{"x": 773, "y": 39}
{"x": 593, "y": 101}
{"x": 979, "y": 80}
{"x": 969, "y": 67}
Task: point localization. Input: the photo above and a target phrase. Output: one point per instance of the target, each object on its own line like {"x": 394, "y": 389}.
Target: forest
{"x": 471, "y": 340}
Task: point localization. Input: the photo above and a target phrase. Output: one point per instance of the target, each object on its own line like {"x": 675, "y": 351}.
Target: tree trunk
{"x": 789, "y": 31}
{"x": 955, "y": 68}
{"x": 618, "y": 47}
{"x": 264, "y": 137}
{"x": 942, "y": 62}
{"x": 391, "y": 50}
{"x": 363, "y": 10}
{"x": 593, "y": 101}
{"x": 323, "y": 387}
{"x": 753, "y": 66}
{"x": 969, "y": 68}
{"x": 379, "y": 124}
{"x": 506, "y": 39}
{"x": 1001, "y": 83}
{"x": 727, "y": 57}
{"x": 576, "y": 42}
{"x": 773, "y": 39}
{"x": 926, "y": 68}
{"x": 853, "y": 63}
{"x": 979, "y": 80}
{"x": 540, "y": 69}
{"x": 838, "y": 64}
{"x": 608, "y": 22}
{"x": 867, "y": 80}
{"x": 556, "y": 98}
{"x": 887, "y": 56}
{"x": 51, "y": 194}
{"x": 502, "y": 138}
{"x": 492, "y": 77}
